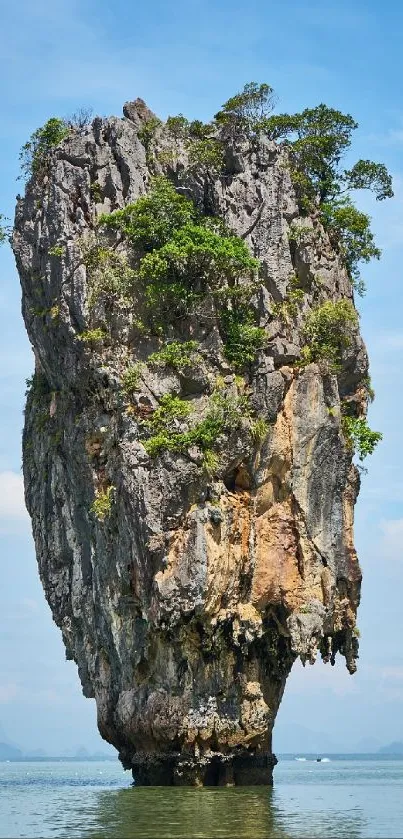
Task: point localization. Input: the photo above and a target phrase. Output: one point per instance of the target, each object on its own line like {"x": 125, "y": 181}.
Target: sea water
{"x": 346, "y": 796}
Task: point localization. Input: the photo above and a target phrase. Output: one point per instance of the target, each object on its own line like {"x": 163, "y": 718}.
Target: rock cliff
{"x": 185, "y": 588}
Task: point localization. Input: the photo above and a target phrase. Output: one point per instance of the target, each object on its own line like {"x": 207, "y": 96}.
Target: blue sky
{"x": 190, "y": 57}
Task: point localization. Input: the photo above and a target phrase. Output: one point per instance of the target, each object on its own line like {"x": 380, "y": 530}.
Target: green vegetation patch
{"x": 177, "y": 354}
{"x": 246, "y": 111}
{"x": 165, "y": 426}
{"x": 183, "y": 256}
{"x": 131, "y": 380}
{"x": 317, "y": 140}
{"x": 195, "y": 260}
{"x": 349, "y": 229}
{"x": 102, "y": 504}
{"x": 172, "y": 430}
{"x": 208, "y": 154}
{"x": 147, "y": 133}
{"x": 288, "y": 309}
{"x": 92, "y": 336}
{"x": 259, "y": 430}
{"x": 242, "y": 338}
{"x": 327, "y": 331}
{"x": 34, "y": 154}
{"x": 151, "y": 221}
{"x": 109, "y": 273}
{"x": 57, "y": 250}
{"x": 5, "y": 229}
{"x": 359, "y": 437}
{"x": 178, "y": 126}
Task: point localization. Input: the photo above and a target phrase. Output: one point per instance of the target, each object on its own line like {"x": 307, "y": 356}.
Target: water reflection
{"x": 242, "y": 813}
{"x": 178, "y": 812}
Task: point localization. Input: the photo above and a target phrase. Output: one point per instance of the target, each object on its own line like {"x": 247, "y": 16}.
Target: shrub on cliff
{"x": 152, "y": 220}
{"x": 35, "y": 152}
{"x": 177, "y": 354}
{"x": 245, "y": 111}
{"x": 147, "y": 135}
{"x": 327, "y": 331}
{"x": 199, "y": 256}
{"x": 171, "y": 426}
{"x": 178, "y": 126}
{"x": 109, "y": 274}
{"x": 207, "y": 154}
{"x": 242, "y": 338}
{"x": 178, "y": 275}
{"x": 102, "y": 504}
{"x": 183, "y": 256}
{"x": 359, "y": 437}
{"x": 350, "y": 231}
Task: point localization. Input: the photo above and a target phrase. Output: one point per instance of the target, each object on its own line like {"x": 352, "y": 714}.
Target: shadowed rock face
{"x": 187, "y": 606}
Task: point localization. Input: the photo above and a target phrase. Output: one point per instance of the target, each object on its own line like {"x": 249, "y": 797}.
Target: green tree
{"x": 359, "y": 437}
{"x": 185, "y": 256}
{"x": 148, "y": 131}
{"x": 177, "y": 354}
{"x": 178, "y": 126}
{"x": 152, "y": 220}
{"x": 199, "y": 256}
{"x": 350, "y": 230}
{"x": 200, "y": 130}
{"x": 365, "y": 174}
{"x": 34, "y": 154}
{"x": 194, "y": 260}
{"x": 207, "y": 154}
{"x": 322, "y": 137}
{"x": 242, "y": 338}
{"x": 327, "y": 331}
{"x": 279, "y": 126}
{"x": 245, "y": 111}
{"x": 318, "y": 138}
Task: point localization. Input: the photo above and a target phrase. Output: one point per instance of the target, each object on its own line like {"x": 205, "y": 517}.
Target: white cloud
{"x": 392, "y": 543}
{"x": 13, "y": 513}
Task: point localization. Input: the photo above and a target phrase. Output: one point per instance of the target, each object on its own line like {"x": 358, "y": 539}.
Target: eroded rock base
{"x": 213, "y": 769}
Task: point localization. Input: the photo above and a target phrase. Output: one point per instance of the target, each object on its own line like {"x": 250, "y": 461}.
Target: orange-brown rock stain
{"x": 229, "y": 549}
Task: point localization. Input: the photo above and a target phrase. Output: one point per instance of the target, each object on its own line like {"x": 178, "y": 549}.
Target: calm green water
{"x": 347, "y": 797}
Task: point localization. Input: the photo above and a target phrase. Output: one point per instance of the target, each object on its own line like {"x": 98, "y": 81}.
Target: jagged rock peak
{"x": 137, "y": 111}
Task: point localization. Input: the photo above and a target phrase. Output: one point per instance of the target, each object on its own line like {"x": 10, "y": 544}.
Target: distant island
{"x": 8, "y": 752}
{"x": 13, "y": 753}
{"x": 395, "y": 748}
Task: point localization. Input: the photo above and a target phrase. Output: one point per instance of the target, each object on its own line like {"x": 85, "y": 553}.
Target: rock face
{"x": 185, "y": 605}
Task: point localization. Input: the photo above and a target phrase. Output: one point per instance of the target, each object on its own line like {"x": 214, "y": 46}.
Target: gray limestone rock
{"x": 186, "y": 602}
